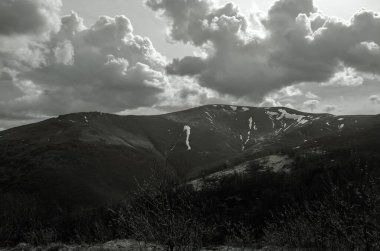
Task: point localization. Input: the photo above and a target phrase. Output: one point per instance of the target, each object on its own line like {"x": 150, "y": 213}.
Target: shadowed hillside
{"x": 94, "y": 158}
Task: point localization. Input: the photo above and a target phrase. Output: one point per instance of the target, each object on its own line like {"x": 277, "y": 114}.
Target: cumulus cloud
{"x": 311, "y": 95}
{"x": 311, "y": 104}
{"x": 374, "y": 99}
{"x": 76, "y": 68}
{"x": 300, "y": 45}
{"x": 51, "y": 64}
{"x": 329, "y": 108}
{"x": 346, "y": 77}
{"x": 24, "y": 27}
{"x": 103, "y": 67}
{"x": 270, "y": 102}
{"x": 292, "y": 96}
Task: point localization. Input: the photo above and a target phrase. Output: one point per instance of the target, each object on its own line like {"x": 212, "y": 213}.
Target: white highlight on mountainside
{"x": 202, "y": 183}
{"x": 242, "y": 141}
{"x": 250, "y": 123}
{"x": 187, "y": 129}
{"x": 275, "y": 163}
{"x": 300, "y": 118}
{"x": 283, "y": 114}
{"x": 209, "y": 118}
{"x": 271, "y": 115}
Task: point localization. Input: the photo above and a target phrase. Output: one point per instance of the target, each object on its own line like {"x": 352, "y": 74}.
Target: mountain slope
{"x": 94, "y": 158}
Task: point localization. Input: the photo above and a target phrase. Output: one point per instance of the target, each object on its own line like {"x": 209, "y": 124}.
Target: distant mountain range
{"x": 95, "y": 158}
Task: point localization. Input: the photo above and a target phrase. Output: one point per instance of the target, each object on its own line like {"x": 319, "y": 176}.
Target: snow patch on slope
{"x": 188, "y": 131}
{"x": 245, "y": 142}
{"x": 209, "y": 118}
{"x": 271, "y": 116}
{"x": 283, "y": 114}
{"x": 301, "y": 119}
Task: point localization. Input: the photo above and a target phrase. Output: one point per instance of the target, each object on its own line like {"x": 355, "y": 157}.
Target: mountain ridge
{"x": 97, "y": 157}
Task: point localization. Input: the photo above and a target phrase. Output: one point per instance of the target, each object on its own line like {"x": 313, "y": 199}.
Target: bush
{"x": 167, "y": 214}
{"x": 347, "y": 219}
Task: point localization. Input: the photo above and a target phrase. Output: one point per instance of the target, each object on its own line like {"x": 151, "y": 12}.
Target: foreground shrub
{"x": 162, "y": 212}
{"x": 347, "y": 219}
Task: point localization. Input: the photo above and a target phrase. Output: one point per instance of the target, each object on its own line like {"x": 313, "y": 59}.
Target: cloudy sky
{"x": 155, "y": 56}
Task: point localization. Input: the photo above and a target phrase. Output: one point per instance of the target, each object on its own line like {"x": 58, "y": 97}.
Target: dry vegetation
{"x": 315, "y": 208}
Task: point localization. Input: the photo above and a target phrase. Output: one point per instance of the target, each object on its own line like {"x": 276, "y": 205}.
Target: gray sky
{"x": 154, "y": 56}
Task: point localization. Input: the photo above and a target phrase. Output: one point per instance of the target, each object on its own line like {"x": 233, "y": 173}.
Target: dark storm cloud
{"x": 27, "y": 16}
{"x": 186, "y": 66}
{"x": 24, "y": 26}
{"x": 283, "y": 13}
{"x": 13, "y": 115}
{"x": 297, "y": 44}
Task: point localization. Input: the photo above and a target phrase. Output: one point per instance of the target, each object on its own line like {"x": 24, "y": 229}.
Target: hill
{"x": 95, "y": 158}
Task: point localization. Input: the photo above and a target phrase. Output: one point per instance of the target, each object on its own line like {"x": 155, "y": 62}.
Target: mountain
{"x": 95, "y": 158}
